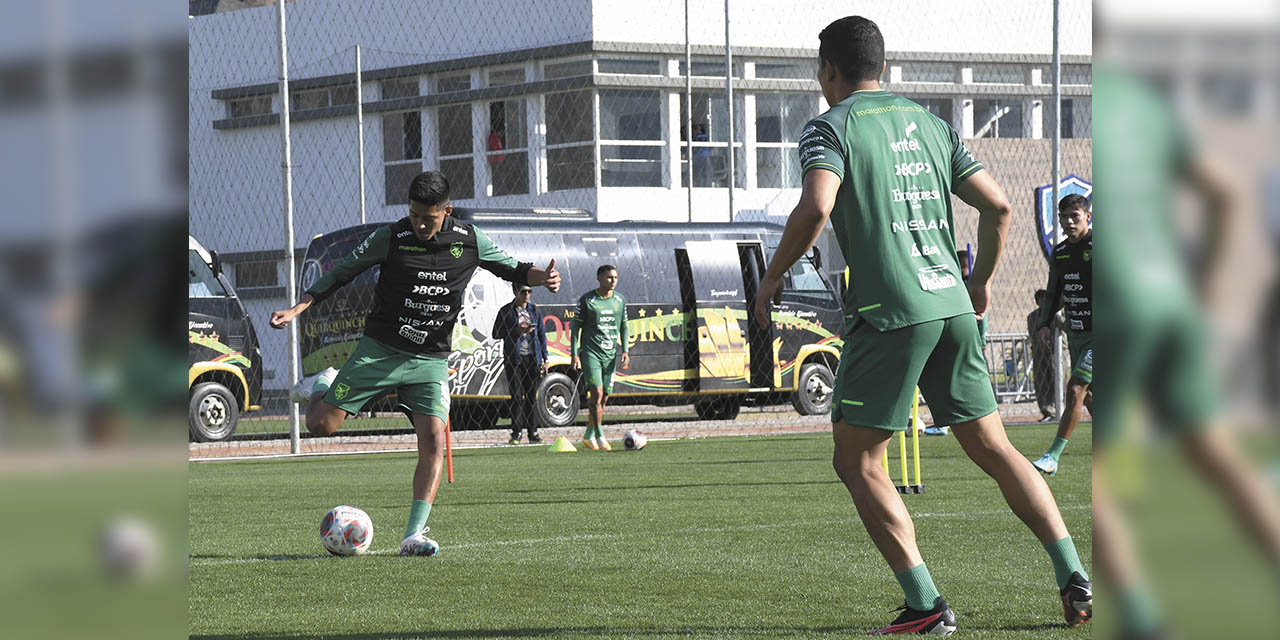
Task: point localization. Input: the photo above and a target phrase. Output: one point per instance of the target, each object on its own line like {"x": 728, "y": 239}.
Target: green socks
{"x": 417, "y": 517}
{"x": 1059, "y": 444}
{"x": 1137, "y": 612}
{"x": 1065, "y": 560}
{"x": 918, "y": 585}
{"x": 591, "y": 433}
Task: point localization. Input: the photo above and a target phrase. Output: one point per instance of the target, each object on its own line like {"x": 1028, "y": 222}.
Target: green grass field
{"x": 735, "y": 537}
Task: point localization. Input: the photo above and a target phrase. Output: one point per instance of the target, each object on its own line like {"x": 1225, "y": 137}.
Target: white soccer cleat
{"x": 301, "y": 392}
{"x": 1046, "y": 465}
{"x": 603, "y": 444}
{"x": 936, "y": 431}
{"x": 419, "y": 544}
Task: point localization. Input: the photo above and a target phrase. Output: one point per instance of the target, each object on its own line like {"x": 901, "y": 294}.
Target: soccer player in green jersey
{"x": 883, "y": 169}
{"x": 599, "y": 332}
{"x": 1071, "y": 286}
{"x": 426, "y": 260}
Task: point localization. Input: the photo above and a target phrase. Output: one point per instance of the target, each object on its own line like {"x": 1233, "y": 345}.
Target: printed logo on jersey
{"x": 430, "y": 290}
{"x": 341, "y": 390}
{"x": 912, "y": 169}
{"x": 907, "y": 143}
{"x": 413, "y": 335}
{"x": 916, "y": 224}
{"x": 434, "y": 276}
{"x": 428, "y": 307}
{"x": 1088, "y": 255}
{"x": 455, "y": 249}
{"x": 916, "y": 197}
{"x": 403, "y": 234}
{"x": 935, "y": 278}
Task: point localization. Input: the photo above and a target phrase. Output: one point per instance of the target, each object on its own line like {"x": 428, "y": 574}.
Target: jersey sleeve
{"x": 820, "y": 148}
{"x": 622, "y": 321}
{"x": 370, "y": 252}
{"x": 497, "y": 262}
{"x": 963, "y": 164}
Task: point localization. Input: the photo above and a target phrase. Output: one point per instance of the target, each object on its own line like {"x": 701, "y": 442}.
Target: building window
{"x": 711, "y": 67}
{"x": 997, "y": 118}
{"x": 1078, "y": 74}
{"x": 453, "y": 135}
{"x": 507, "y": 148}
{"x": 570, "y": 149}
{"x": 710, "y": 138}
{"x": 1077, "y": 118}
{"x": 786, "y": 70}
{"x": 245, "y": 107}
{"x": 931, "y": 72}
{"x": 998, "y": 74}
{"x": 940, "y": 107}
{"x": 401, "y": 154}
{"x": 400, "y": 88}
{"x": 305, "y": 99}
{"x": 780, "y": 118}
{"x": 566, "y": 69}
{"x": 630, "y": 66}
{"x": 256, "y": 273}
{"x": 631, "y": 138}
{"x": 504, "y": 77}
{"x": 449, "y": 84}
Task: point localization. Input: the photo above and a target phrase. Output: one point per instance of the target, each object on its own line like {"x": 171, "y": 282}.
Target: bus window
{"x": 201, "y": 283}
{"x": 806, "y": 286}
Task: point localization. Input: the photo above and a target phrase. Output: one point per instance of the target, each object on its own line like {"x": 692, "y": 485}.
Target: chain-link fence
{"x": 592, "y": 133}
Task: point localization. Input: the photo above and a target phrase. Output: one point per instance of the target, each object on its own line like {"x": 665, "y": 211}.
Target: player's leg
{"x": 958, "y": 388}
{"x": 428, "y": 398}
{"x": 529, "y": 398}
{"x": 591, "y": 375}
{"x": 1115, "y": 557}
{"x": 336, "y": 394}
{"x": 606, "y": 388}
{"x": 1074, "y": 398}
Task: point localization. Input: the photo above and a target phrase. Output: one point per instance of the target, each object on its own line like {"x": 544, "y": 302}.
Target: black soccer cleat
{"x": 938, "y": 621}
{"x": 1077, "y": 600}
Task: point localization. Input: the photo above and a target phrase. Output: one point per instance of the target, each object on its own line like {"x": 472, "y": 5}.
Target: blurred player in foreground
{"x": 426, "y": 260}
{"x": 883, "y": 169}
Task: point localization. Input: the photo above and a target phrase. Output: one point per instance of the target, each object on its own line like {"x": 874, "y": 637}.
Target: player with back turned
{"x": 883, "y": 169}
{"x": 426, "y": 260}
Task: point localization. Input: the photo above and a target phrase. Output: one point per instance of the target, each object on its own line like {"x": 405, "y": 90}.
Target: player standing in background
{"x": 426, "y": 261}
{"x": 599, "y": 331}
{"x": 883, "y": 169}
{"x": 1071, "y": 286}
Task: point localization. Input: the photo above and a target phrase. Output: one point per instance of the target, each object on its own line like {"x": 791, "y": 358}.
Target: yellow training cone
{"x": 561, "y": 445}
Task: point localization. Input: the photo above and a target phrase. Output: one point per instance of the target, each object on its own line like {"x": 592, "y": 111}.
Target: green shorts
{"x": 879, "y": 371}
{"x": 422, "y": 383}
{"x": 597, "y": 369}
{"x": 1080, "y": 346}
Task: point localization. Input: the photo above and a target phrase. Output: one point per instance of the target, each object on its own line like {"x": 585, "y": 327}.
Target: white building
{"x": 567, "y": 103}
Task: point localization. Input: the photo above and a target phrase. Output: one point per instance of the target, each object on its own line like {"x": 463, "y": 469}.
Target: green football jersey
{"x": 600, "y": 324}
{"x": 897, "y": 164}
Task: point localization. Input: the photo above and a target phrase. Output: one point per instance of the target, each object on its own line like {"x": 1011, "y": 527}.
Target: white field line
{"x": 495, "y": 544}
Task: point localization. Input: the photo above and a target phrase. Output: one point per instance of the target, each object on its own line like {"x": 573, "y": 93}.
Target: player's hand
{"x": 769, "y": 288}
{"x": 626, "y": 361}
{"x": 281, "y": 318}
{"x": 552, "y": 282}
{"x": 980, "y": 295}
{"x": 576, "y": 364}
{"x": 1045, "y": 334}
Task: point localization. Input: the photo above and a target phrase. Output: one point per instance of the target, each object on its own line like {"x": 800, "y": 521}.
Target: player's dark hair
{"x": 1073, "y": 201}
{"x": 605, "y": 268}
{"x": 1040, "y": 294}
{"x": 855, "y": 46}
{"x": 430, "y": 188}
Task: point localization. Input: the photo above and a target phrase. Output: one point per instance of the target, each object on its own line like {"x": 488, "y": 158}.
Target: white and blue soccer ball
{"x": 634, "y": 440}
{"x": 346, "y": 531}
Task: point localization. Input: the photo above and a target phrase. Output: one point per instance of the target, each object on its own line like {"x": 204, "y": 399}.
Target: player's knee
{"x": 1076, "y": 390}
{"x": 323, "y": 426}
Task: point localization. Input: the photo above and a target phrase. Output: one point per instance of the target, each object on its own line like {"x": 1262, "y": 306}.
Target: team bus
{"x": 224, "y": 376}
{"x": 689, "y": 289}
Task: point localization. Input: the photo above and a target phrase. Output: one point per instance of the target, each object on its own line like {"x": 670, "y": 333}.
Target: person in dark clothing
{"x": 524, "y": 359}
{"x": 1042, "y": 360}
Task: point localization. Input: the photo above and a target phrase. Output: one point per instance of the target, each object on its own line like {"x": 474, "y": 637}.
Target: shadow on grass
{"x": 539, "y": 632}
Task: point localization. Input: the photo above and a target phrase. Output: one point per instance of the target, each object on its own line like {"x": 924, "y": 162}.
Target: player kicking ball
{"x": 599, "y": 331}
{"x": 912, "y": 321}
{"x": 407, "y": 334}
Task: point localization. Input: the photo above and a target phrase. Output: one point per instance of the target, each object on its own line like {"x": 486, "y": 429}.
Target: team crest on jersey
{"x": 455, "y": 249}
{"x": 1047, "y": 210}
{"x": 1088, "y": 255}
{"x": 340, "y": 391}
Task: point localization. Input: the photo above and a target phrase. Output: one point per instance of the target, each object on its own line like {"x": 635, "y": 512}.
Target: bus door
{"x": 711, "y": 285}
{"x": 763, "y": 360}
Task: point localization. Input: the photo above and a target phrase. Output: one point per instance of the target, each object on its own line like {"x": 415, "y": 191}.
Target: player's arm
{"x": 575, "y": 329}
{"x": 622, "y": 332}
{"x": 497, "y": 262}
{"x": 369, "y": 253}
{"x": 822, "y": 158}
{"x": 1219, "y": 204}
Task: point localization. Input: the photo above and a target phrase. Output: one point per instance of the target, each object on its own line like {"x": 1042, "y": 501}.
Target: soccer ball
{"x": 634, "y": 440}
{"x": 346, "y": 531}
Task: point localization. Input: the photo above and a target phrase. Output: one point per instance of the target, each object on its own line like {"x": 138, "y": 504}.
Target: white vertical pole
{"x": 286, "y": 167}
{"x": 360, "y": 129}
{"x": 1058, "y": 373}
{"x": 728, "y": 86}
{"x": 688, "y": 111}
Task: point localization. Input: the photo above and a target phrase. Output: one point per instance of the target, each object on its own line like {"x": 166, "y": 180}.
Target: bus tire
{"x": 557, "y": 400}
{"x": 814, "y": 389}
{"x": 212, "y": 414}
{"x": 718, "y": 408}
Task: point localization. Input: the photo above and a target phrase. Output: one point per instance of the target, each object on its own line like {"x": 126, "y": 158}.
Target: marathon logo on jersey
{"x": 916, "y": 224}
{"x": 434, "y": 276}
{"x": 413, "y": 335}
{"x": 935, "y": 278}
{"x": 410, "y": 303}
{"x": 915, "y": 197}
{"x": 430, "y": 290}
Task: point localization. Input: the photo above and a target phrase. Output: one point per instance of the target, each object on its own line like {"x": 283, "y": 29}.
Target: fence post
{"x": 291, "y": 287}
{"x": 360, "y": 131}
{"x": 1058, "y": 373}
{"x": 728, "y": 87}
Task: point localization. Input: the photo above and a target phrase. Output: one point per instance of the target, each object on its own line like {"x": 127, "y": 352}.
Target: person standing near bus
{"x": 883, "y": 169}
{"x": 599, "y": 333}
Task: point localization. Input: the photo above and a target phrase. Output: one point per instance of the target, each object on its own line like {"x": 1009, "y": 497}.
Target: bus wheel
{"x": 557, "y": 400}
{"x": 719, "y": 408}
{"x": 213, "y": 413}
{"x": 813, "y": 395}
